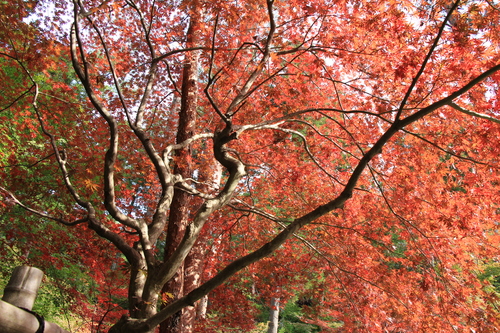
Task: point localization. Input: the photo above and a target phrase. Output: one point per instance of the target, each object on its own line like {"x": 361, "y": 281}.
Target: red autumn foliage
{"x": 341, "y": 151}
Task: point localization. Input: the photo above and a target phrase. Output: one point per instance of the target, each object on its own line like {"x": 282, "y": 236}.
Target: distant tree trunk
{"x": 201, "y": 308}
{"x": 274, "y": 315}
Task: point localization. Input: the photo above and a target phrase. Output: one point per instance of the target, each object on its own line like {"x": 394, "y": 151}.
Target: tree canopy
{"x": 342, "y": 153}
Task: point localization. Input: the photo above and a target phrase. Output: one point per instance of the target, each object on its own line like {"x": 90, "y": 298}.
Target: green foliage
{"x": 51, "y": 302}
{"x": 290, "y": 320}
{"x": 289, "y": 327}
{"x": 492, "y": 274}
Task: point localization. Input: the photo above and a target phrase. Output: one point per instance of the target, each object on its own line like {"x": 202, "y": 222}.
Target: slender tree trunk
{"x": 274, "y": 315}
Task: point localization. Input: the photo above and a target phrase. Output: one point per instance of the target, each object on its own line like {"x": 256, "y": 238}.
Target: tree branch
{"x": 243, "y": 94}
{"x": 472, "y": 113}
{"x": 111, "y": 154}
{"x": 13, "y": 199}
{"x": 426, "y": 59}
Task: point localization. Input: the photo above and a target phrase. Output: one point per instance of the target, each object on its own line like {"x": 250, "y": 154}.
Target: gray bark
{"x": 274, "y": 315}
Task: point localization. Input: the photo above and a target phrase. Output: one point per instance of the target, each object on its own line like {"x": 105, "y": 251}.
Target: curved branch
{"x": 132, "y": 255}
{"x": 184, "y": 144}
{"x": 18, "y": 98}
{"x": 254, "y": 210}
{"x": 13, "y": 199}
{"x": 170, "y": 53}
{"x": 61, "y": 159}
{"x": 308, "y": 151}
{"x": 450, "y": 152}
{"x": 116, "y": 82}
{"x": 111, "y": 154}
{"x": 447, "y": 100}
{"x": 243, "y": 94}
{"x": 236, "y": 171}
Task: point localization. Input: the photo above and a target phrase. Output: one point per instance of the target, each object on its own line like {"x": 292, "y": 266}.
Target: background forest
{"x": 253, "y": 166}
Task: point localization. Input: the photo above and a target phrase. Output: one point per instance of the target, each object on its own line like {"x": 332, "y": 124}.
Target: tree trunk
{"x": 201, "y": 308}
{"x": 192, "y": 278}
{"x": 181, "y": 203}
{"x": 210, "y": 175}
{"x": 274, "y": 315}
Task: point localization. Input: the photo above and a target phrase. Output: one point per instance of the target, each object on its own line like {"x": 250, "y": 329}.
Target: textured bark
{"x": 180, "y": 209}
{"x": 210, "y": 178}
{"x": 192, "y": 277}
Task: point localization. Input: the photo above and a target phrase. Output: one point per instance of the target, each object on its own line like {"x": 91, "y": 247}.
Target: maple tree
{"x": 342, "y": 151}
